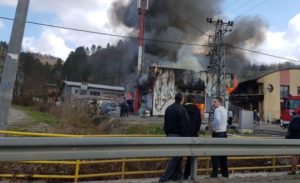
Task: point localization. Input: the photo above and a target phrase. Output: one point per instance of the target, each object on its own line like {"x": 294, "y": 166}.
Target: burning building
{"x": 159, "y": 86}
{"x": 266, "y": 91}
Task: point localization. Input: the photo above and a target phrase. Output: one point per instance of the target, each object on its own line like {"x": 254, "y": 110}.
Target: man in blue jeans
{"x": 176, "y": 124}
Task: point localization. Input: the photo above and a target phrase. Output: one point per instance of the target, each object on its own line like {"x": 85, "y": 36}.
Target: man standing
{"x": 230, "y": 116}
{"x": 176, "y": 124}
{"x": 195, "y": 123}
{"x": 294, "y": 133}
{"x": 219, "y": 126}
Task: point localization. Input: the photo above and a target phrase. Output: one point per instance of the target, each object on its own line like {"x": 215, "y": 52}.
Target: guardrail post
{"x": 123, "y": 168}
{"x": 77, "y": 171}
{"x": 207, "y": 165}
{"x": 194, "y": 167}
{"x": 274, "y": 163}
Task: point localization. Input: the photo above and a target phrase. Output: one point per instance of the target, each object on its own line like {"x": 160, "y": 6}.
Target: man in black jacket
{"x": 195, "y": 123}
{"x": 294, "y": 133}
{"x": 176, "y": 124}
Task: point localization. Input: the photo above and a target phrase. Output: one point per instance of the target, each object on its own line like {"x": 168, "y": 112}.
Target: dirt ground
{"x": 16, "y": 117}
{"x": 240, "y": 178}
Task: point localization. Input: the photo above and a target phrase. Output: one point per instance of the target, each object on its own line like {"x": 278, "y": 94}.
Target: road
{"x": 16, "y": 117}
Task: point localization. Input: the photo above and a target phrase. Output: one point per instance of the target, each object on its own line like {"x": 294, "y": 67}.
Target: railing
{"x": 16, "y": 149}
{"x": 123, "y": 172}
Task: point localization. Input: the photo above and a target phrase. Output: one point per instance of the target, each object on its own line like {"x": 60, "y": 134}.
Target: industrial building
{"x": 76, "y": 92}
{"x": 265, "y": 92}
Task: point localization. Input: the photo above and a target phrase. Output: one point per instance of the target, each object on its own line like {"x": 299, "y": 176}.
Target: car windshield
{"x": 291, "y": 104}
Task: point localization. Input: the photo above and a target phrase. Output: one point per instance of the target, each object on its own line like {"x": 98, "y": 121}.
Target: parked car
{"x": 109, "y": 108}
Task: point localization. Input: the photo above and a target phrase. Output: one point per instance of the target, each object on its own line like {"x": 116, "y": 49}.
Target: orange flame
{"x": 235, "y": 85}
{"x": 200, "y": 106}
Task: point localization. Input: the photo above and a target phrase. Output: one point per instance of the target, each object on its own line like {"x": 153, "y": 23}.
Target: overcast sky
{"x": 282, "y": 36}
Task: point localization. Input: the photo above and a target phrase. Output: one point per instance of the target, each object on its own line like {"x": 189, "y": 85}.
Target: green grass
{"x": 38, "y": 116}
{"x": 145, "y": 129}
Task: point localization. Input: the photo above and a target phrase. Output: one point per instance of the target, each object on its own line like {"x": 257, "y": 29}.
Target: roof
{"x": 265, "y": 73}
{"x": 90, "y": 85}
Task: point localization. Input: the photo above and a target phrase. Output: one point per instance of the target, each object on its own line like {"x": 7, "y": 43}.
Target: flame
{"x": 200, "y": 106}
{"x": 235, "y": 85}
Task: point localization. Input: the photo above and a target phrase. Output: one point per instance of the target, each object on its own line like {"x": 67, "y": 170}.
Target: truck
{"x": 289, "y": 107}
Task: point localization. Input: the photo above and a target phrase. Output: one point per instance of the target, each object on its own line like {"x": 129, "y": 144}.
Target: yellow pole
{"x": 123, "y": 169}
{"x": 77, "y": 171}
{"x": 207, "y": 166}
{"x": 274, "y": 163}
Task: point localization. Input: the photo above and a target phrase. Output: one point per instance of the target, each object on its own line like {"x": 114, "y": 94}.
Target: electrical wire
{"x": 242, "y": 5}
{"x": 107, "y": 34}
{"x": 230, "y": 5}
{"x": 262, "y": 53}
{"x": 150, "y": 40}
{"x": 251, "y": 9}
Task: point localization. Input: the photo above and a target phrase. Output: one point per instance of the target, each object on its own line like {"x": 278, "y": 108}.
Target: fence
{"x": 30, "y": 148}
{"x": 123, "y": 172}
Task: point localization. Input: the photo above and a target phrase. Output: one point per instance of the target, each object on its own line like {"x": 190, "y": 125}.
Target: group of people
{"x": 126, "y": 108}
{"x": 183, "y": 119}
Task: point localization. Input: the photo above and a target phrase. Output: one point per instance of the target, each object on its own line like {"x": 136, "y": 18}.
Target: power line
{"x": 191, "y": 25}
{"x": 244, "y": 4}
{"x": 261, "y": 53}
{"x": 221, "y": 12}
{"x": 251, "y": 9}
{"x": 107, "y": 34}
{"x": 145, "y": 39}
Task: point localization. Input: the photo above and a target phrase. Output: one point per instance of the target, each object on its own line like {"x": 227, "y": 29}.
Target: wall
{"x": 271, "y": 105}
{"x": 294, "y": 81}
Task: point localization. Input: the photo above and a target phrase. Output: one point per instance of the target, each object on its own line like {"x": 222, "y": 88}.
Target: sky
{"x": 282, "y": 18}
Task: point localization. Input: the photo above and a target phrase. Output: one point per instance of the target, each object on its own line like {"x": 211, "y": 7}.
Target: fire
{"x": 235, "y": 85}
{"x": 200, "y": 106}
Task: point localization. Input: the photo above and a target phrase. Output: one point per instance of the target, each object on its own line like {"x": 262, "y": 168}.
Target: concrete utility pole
{"x": 217, "y": 67}
{"x": 11, "y": 61}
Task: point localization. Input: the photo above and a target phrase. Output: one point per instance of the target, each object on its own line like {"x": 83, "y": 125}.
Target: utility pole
{"x": 142, "y": 7}
{"x": 217, "y": 67}
{"x": 11, "y": 61}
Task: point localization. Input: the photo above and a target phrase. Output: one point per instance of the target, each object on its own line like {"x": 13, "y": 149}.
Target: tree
{"x": 98, "y": 48}
{"x": 93, "y": 49}
{"x": 57, "y": 71}
{"x": 3, "y": 49}
{"x": 76, "y": 66}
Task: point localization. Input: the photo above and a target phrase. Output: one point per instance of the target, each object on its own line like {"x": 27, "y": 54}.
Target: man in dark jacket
{"x": 176, "y": 124}
{"x": 195, "y": 123}
{"x": 294, "y": 133}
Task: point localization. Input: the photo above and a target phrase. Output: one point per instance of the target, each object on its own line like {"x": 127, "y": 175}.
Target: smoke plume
{"x": 185, "y": 21}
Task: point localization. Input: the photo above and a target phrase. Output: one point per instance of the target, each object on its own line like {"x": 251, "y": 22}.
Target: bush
{"x": 23, "y": 100}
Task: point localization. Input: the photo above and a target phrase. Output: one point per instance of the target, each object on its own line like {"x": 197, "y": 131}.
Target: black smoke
{"x": 185, "y": 21}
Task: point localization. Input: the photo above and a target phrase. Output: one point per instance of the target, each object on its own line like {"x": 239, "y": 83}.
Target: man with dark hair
{"x": 219, "y": 128}
{"x": 195, "y": 123}
{"x": 176, "y": 124}
{"x": 294, "y": 133}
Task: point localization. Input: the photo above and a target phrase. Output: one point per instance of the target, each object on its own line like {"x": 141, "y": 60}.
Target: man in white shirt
{"x": 219, "y": 127}
{"x": 230, "y": 117}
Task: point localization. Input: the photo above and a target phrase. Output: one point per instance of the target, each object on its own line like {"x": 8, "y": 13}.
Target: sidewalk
{"x": 263, "y": 177}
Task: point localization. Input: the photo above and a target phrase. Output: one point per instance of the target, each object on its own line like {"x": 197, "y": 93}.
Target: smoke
{"x": 248, "y": 32}
{"x": 185, "y": 21}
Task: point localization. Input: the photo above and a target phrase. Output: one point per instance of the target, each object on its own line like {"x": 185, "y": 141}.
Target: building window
{"x": 95, "y": 93}
{"x": 76, "y": 91}
{"x": 83, "y": 92}
{"x": 284, "y": 91}
{"x": 298, "y": 90}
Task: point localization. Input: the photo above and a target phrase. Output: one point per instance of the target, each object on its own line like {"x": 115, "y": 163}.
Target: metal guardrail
{"x": 36, "y": 148}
